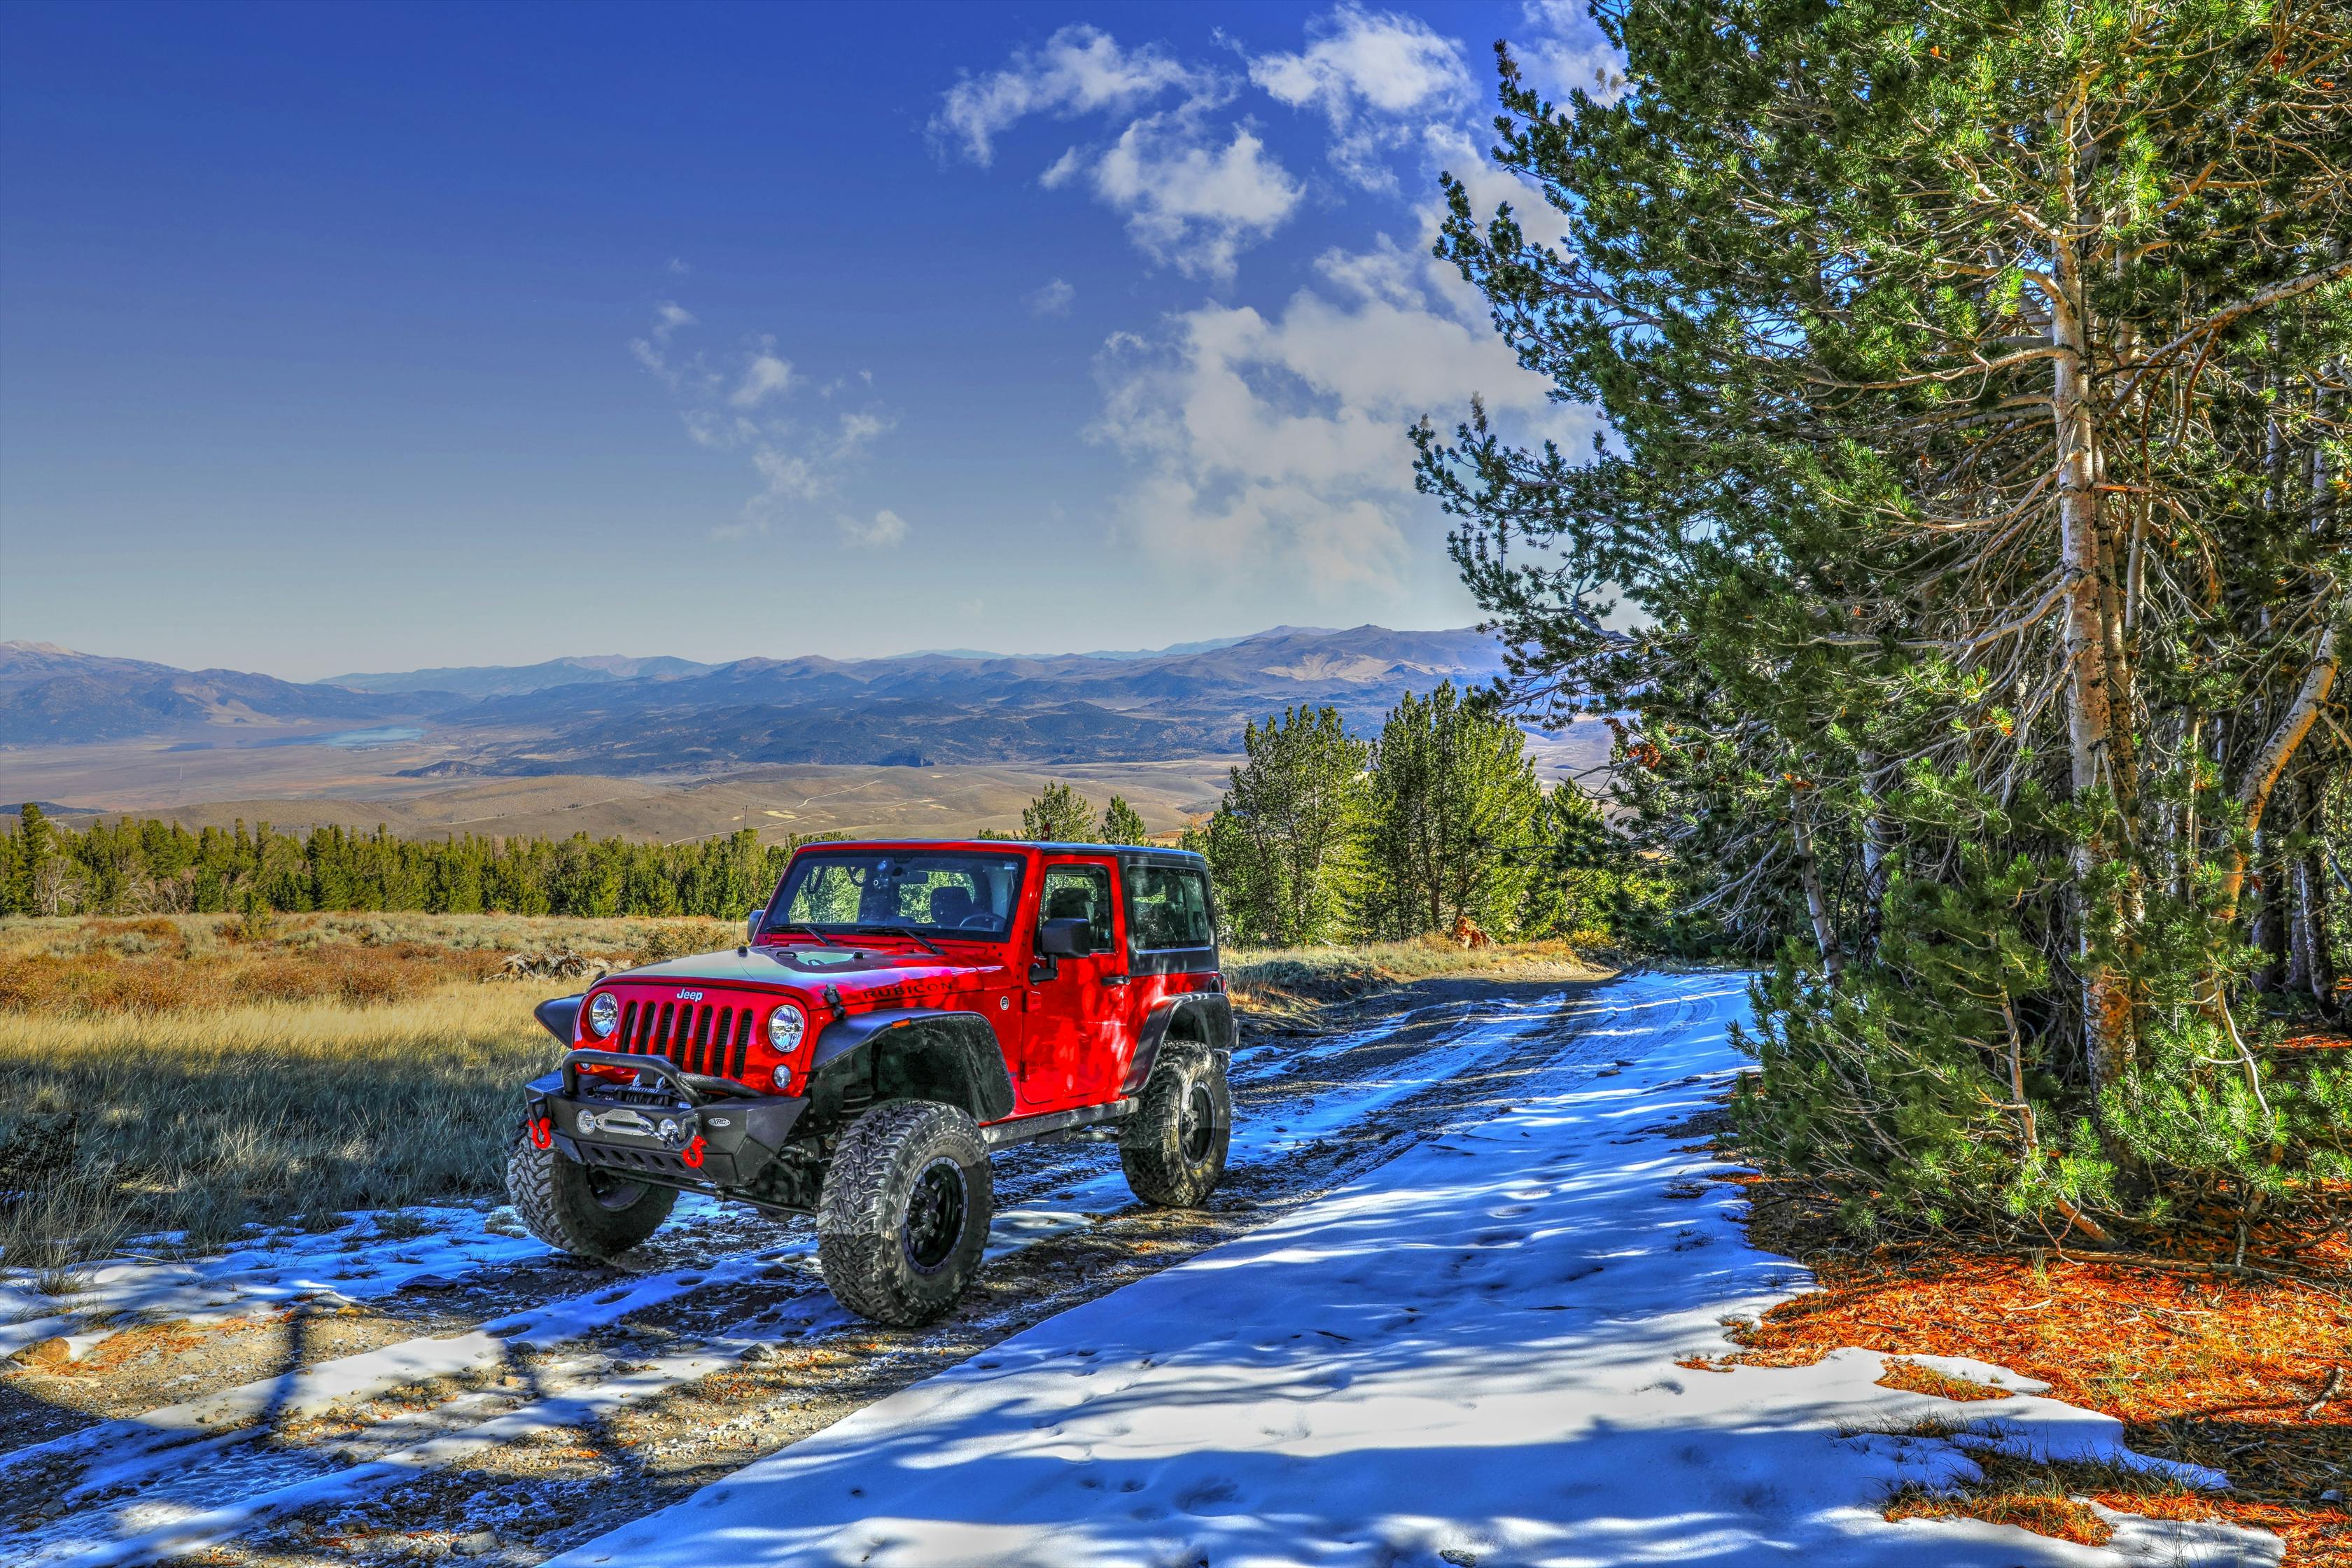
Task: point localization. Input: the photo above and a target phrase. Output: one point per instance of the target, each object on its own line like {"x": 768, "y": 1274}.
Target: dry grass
{"x": 173, "y": 963}
{"x": 2054, "y": 1500}
{"x": 2044, "y": 1513}
{"x": 1915, "y": 1378}
{"x": 2216, "y": 1370}
{"x": 193, "y": 1073}
{"x": 1288, "y": 985}
{"x": 202, "y": 1121}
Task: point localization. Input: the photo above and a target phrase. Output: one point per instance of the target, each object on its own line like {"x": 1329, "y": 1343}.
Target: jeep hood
{"x": 859, "y": 973}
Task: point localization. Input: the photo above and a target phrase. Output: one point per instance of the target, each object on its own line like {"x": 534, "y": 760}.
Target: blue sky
{"x": 362, "y": 337}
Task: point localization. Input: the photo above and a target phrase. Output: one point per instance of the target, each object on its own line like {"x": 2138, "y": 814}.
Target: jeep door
{"x": 1070, "y": 1035}
{"x": 1170, "y": 936}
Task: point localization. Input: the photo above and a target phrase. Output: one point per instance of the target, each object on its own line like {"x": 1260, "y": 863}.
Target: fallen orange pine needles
{"x": 2211, "y": 1369}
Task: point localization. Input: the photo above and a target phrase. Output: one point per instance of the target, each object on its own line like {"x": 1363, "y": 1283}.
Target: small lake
{"x": 388, "y": 735}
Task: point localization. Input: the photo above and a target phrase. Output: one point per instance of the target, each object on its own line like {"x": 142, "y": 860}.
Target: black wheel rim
{"x": 612, "y": 1191}
{"x": 935, "y": 1212}
{"x": 1198, "y": 1125}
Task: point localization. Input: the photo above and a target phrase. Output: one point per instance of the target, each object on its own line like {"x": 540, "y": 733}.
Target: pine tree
{"x": 1449, "y": 818}
{"x": 1581, "y": 879}
{"x": 1291, "y": 814}
{"x": 1122, "y": 825}
{"x": 1059, "y": 815}
{"x": 30, "y": 850}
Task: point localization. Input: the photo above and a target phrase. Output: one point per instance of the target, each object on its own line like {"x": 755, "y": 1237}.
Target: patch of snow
{"x": 1296, "y": 1125}
{"x": 349, "y": 1263}
{"x": 1466, "y": 1356}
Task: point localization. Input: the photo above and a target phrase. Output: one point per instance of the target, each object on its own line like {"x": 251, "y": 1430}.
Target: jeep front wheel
{"x": 904, "y": 1215}
{"x": 576, "y": 1209}
{"x": 1173, "y": 1151}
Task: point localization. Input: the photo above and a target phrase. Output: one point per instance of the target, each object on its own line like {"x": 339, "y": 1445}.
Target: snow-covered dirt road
{"x": 384, "y": 1391}
{"x": 1483, "y": 1352}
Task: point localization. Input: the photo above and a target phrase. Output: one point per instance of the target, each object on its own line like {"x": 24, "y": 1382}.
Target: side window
{"x": 1168, "y": 908}
{"x": 1079, "y": 893}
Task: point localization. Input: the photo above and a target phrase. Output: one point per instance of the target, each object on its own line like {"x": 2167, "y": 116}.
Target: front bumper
{"x": 674, "y": 1134}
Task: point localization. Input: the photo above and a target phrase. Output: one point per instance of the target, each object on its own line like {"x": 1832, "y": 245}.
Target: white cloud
{"x": 1189, "y": 203}
{"x": 789, "y": 476}
{"x": 652, "y": 351}
{"x": 1373, "y": 75}
{"x": 763, "y": 378}
{"x": 719, "y": 431}
{"x": 1194, "y": 193}
{"x": 1053, "y": 299}
{"x": 858, "y": 429}
{"x": 1275, "y": 443}
{"x": 1567, "y": 52}
{"x": 1080, "y": 70}
{"x": 886, "y": 531}
{"x": 741, "y": 403}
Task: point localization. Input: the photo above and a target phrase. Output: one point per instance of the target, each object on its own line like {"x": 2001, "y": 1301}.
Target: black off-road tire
{"x": 1173, "y": 1150}
{"x": 576, "y": 1210}
{"x": 903, "y": 1216}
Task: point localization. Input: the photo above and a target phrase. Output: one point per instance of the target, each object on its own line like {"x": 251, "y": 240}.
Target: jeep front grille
{"x": 700, "y": 1038}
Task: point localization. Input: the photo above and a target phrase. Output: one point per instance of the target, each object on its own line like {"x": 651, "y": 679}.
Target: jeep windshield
{"x": 903, "y": 893}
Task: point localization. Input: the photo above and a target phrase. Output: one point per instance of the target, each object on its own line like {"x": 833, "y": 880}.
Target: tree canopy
{"x": 1968, "y": 565}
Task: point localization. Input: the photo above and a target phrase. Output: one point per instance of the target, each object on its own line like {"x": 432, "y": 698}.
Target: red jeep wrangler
{"x": 898, "y": 1012}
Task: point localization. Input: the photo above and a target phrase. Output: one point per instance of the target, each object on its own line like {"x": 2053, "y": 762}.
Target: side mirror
{"x": 752, "y": 924}
{"x": 1069, "y": 938}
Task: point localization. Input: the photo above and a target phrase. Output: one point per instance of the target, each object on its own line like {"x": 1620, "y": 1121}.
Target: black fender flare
{"x": 963, "y": 1045}
{"x": 560, "y": 1017}
{"x": 1211, "y": 1012}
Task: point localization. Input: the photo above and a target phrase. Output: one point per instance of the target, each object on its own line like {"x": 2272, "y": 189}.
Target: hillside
{"x": 54, "y": 695}
{"x": 624, "y": 716}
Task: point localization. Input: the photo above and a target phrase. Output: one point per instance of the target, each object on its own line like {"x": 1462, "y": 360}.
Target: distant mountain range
{"x": 508, "y": 680}
{"x": 513, "y": 680}
{"x": 49, "y": 694}
{"x": 629, "y": 716}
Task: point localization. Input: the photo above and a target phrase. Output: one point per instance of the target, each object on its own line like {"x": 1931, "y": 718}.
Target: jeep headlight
{"x": 784, "y": 1026}
{"x": 604, "y": 1014}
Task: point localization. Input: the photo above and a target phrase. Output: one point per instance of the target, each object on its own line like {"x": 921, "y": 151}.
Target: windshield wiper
{"x": 909, "y": 933}
{"x": 811, "y": 930}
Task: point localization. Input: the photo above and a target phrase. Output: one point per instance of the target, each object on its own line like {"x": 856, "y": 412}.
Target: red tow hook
{"x": 692, "y": 1153}
{"x": 542, "y": 1135}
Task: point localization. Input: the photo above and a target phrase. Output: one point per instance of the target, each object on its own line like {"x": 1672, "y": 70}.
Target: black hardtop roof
{"x": 985, "y": 845}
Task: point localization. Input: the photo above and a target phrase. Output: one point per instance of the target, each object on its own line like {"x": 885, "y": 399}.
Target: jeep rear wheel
{"x": 905, "y": 1212}
{"x": 1174, "y": 1150}
{"x": 577, "y": 1209}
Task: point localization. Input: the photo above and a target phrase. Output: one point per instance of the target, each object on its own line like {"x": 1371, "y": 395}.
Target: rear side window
{"x": 1167, "y": 908}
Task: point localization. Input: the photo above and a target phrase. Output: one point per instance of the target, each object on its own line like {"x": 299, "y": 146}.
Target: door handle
{"x": 1114, "y": 979}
